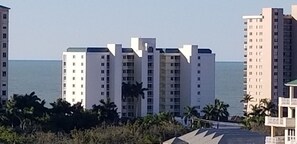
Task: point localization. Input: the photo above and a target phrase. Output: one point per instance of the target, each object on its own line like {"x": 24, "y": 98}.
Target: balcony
{"x": 288, "y": 102}
{"x": 275, "y": 140}
{"x": 279, "y": 122}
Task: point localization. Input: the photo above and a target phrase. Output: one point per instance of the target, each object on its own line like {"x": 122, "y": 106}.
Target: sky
{"x": 43, "y": 29}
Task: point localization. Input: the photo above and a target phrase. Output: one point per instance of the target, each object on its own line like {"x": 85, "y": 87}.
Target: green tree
{"x": 106, "y": 112}
{"x": 246, "y": 98}
{"x": 221, "y": 110}
{"x": 189, "y": 114}
{"x": 268, "y": 107}
{"x": 134, "y": 91}
{"x": 209, "y": 112}
{"x": 25, "y": 110}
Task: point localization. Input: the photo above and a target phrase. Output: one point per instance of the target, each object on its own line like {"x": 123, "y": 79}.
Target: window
{"x": 198, "y": 71}
{"x": 82, "y": 64}
{"x": 4, "y": 84}
{"x": 82, "y": 78}
{"x": 4, "y": 16}
{"x": 73, "y": 92}
{"x": 4, "y": 93}
{"x": 73, "y": 64}
{"x": 102, "y": 57}
{"x": 82, "y": 56}
{"x": 4, "y": 27}
{"x": 64, "y": 85}
{"x": 64, "y": 92}
{"x": 4, "y": 55}
{"x": 199, "y": 64}
{"x": 81, "y": 93}
{"x": 102, "y": 86}
{"x": 198, "y": 93}
{"x": 4, "y": 73}
{"x": 73, "y": 85}
{"x": 102, "y": 71}
{"x": 198, "y": 57}
{"x": 73, "y": 78}
{"x": 73, "y": 71}
{"x": 81, "y": 86}
{"x": 4, "y": 36}
{"x": 4, "y": 64}
{"x": 82, "y": 71}
{"x": 198, "y": 85}
{"x": 73, "y": 56}
{"x": 73, "y": 100}
{"x": 4, "y": 45}
{"x": 102, "y": 64}
{"x": 198, "y": 78}
{"x": 64, "y": 77}
{"x": 102, "y": 93}
{"x": 102, "y": 78}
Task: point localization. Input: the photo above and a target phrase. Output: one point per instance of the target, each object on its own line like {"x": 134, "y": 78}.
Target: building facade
{"x": 286, "y": 118}
{"x": 174, "y": 77}
{"x": 269, "y": 54}
{"x": 4, "y": 20}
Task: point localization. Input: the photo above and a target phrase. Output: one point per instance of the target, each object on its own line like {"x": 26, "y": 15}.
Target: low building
{"x": 218, "y": 136}
{"x": 288, "y": 107}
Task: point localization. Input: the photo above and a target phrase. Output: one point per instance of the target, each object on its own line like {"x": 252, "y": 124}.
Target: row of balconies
{"x": 287, "y": 102}
{"x": 279, "y": 122}
{"x": 275, "y": 140}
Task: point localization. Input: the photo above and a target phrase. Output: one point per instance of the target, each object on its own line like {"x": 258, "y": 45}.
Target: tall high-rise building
{"x": 270, "y": 54}
{"x": 4, "y": 16}
{"x": 174, "y": 77}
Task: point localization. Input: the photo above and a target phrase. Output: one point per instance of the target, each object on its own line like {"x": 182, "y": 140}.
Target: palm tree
{"x": 268, "y": 107}
{"x": 246, "y": 98}
{"x": 190, "y": 113}
{"x": 137, "y": 93}
{"x": 134, "y": 91}
{"x": 24, "y": 110}
{"x": 106, "y": 111}
{"x": 221, "y": 110}
{"x": 209, "y": 112}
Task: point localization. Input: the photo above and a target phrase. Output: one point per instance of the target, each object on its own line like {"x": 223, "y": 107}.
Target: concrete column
{"x": 290, "y": 112}
{"x": 291, "y": 92}
{"x": 272, "y": 133}
{"x": 280, "y": 112}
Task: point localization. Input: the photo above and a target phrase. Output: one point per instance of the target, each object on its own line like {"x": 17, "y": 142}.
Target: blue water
{"x": 44, "y": 77}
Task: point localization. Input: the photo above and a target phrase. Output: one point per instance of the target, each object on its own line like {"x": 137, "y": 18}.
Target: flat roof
{"x": 292, "y": 83}
{"x": 87, "y": 49}
{"x": 204, "y": 50}
{"x": 1, "y": 6}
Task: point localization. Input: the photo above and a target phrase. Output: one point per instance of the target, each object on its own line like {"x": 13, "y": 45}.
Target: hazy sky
{"x": 43, "y": 29}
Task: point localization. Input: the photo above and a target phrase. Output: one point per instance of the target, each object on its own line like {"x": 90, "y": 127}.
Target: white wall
{"x": 115, "y": 77}
{"x": 94, "y": 90}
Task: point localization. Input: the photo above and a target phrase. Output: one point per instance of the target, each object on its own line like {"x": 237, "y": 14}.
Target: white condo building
{"x": 4, "y": 16}
{"x": 175, "y": 77}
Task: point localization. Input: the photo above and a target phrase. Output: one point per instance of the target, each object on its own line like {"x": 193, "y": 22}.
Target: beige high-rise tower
{"x": 270, "y": 57}
{"x": 4, "y": 16}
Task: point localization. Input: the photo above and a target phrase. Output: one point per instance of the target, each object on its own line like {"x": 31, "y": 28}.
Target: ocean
{"x": 44, "y": 78}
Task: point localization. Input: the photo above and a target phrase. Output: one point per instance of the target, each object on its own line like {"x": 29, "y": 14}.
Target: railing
{"x": 288, "y": 101}
{"x": 281, "y": 122}
{"x": 275, "y": 140}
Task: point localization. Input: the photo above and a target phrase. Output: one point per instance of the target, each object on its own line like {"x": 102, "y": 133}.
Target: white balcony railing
{"x": 275, "y": 140}
{"x": 287, "y": 101}
{"x": 279, "y": 122}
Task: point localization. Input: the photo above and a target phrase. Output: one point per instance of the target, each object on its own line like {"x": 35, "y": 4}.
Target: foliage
{"x": 218, "y": 111}
{"x": 256, "y": 118}
{"x": 135, "y": 92}
{"x": 27, "y": 120}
